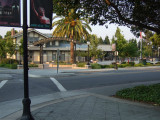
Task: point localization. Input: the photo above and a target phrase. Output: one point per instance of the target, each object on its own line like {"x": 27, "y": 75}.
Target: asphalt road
{"x": 100, "y": 79}
{"x": 13, "y": 89}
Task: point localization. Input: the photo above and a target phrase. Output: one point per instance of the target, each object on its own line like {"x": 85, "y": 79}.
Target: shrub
{"x": 9, "y": 61}
{"x": 122, "y": 65}
{"x": 81, "y": 64}
{"x": 32, "y": 65}
{"x": 11, "y": 66}
{"x": 138, "y": 65}
{"x": 95, "y": 66}
{"x": 123, "y": 62}
{"x": 142, "y": 93}
{"x": 131, "y": 63}
{"x": 112, "y": 66}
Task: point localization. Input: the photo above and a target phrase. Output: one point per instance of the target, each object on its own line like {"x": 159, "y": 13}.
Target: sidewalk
{"x": 79, "y": 104}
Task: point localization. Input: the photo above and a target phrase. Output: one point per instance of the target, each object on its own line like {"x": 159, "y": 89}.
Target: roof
{"x": 31, "y": 30}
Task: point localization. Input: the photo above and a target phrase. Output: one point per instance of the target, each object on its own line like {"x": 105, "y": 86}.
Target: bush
{"x": 11, "y": 66}
{"x": 131, "y": 63}
{"x": 62, "y": 63}
{"x": 95, "y": 66}
{"x": 138, "y": 65}
{"x": 142, "y": 93}
{"x": 9, "y": 61}
{"x": 123, "y": 62}
{"x": 81, "y": 64}
{"x": 122, "y": 65}
{"x": 105, "y": 66}
{"x": 32, "y": 65}
{"x": 112, "y": 66}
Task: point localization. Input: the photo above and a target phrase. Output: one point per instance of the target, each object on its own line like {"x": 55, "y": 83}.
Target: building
{"x": 43, "y": 47}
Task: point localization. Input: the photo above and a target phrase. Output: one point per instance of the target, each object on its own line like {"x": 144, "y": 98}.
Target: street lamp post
{"x": 26, "y": 101}
{"x": 88, "y": 43}
{"x": 152, "y": 52}
{"x": 116, "y": 54}
{"x": 158, "y": 54}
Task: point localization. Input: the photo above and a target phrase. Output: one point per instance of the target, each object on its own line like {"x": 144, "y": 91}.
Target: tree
{"x": 1, "y": 37}
{"x": 94, "y": 51}
{"x": 8, "y": 34}
{"x": 101, "y": 40}
{"x": 3, "y": 50}
{"x": 10, "y": 46}
{"x": 139, "y": 13}
{"x": 131, "y": 49}
{"x": 125, "y": 48}
{"x": 120, "y": 43}
{"x": 72, "y": 27}
{"x": 106, "y": 40}
{"x": 155, "y": 39}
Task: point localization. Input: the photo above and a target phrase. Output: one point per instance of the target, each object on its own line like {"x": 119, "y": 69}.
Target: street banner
{"x": 141, "y": 35}
{"x": 10, "y": 13}
{"x": 41, "y": 14}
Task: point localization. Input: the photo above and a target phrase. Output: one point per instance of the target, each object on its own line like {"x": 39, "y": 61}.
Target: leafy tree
{"x": 1, "y": 37}
{"x": 125, "y": 48}
{"x": 72, "y": 27}
{"x": 155, "y": 39}
{"x": 100, "y": 40}
{"x": 106, "y": 40}
{"x": 131, "y": 49}
{"x": 136, "y": 13}
{"x": 120, "y": 43}
{"x": 8, "y": 34}
{"x": 3, "y": 50}
{"x": 10, "y": 46}
{"x": 94, "y": 51}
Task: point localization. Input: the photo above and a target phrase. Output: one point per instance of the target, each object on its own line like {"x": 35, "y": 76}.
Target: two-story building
{"x": 43, "y": 47}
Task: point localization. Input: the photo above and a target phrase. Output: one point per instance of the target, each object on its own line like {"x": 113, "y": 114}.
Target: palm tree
{"x": 72, "y": 27}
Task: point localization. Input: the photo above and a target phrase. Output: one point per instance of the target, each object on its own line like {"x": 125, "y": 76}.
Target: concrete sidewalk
{"x": 78, "y": 104}
{"x": 87, "y": 106}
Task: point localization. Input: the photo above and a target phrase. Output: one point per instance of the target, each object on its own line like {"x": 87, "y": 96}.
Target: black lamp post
{"x": 26, "y": 101}
{"x": 116, "y": 54}
{"x": 152, "y": 52}
{"x": 88, "y": 43}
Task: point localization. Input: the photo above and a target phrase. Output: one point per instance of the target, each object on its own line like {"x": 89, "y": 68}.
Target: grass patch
{"x": 148, "y": 94}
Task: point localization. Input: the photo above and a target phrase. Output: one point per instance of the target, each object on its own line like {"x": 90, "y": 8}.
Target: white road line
{"x": 2, "y": 83}
{"x": 60, "y": 87}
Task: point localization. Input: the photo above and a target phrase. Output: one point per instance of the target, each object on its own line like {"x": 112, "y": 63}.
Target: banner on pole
{"x": 41, "y": 14}
{"x": 141, "y": 35}
{"x": 10, "y": 13}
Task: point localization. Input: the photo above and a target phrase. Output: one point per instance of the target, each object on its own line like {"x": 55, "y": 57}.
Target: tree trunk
{"x": 72, "y": 52}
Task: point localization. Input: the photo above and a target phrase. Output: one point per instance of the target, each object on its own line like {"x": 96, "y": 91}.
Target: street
{"x": 86, "y": 81}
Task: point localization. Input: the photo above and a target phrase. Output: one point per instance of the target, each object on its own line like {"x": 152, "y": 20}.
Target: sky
{"x": 100, "y": 31}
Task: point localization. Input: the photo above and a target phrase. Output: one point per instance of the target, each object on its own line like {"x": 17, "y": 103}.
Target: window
{"x": 62, "y": 57}
{"x": 53, "y": 57}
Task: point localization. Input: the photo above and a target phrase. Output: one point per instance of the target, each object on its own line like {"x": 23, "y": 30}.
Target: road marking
{"x": 2, "y": 83}
{"x": 60, "y": 87}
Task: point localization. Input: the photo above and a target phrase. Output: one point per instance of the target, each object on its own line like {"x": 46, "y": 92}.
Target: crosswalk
{"x": 2, "y": 83}
{"x": 59, "y": 86}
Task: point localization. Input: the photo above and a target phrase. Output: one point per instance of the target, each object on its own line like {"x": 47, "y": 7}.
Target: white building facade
{"x": 50, "y": 47}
